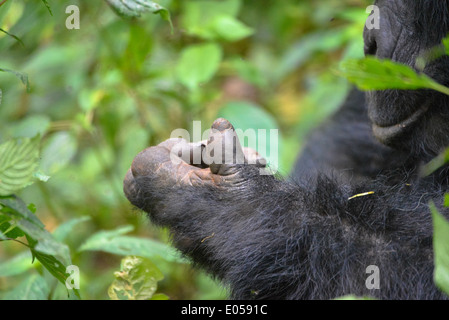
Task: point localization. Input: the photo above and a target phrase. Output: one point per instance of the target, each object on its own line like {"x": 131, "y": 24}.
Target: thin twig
{"x": 1, "y": 3}
{"x": 11, "y": 239}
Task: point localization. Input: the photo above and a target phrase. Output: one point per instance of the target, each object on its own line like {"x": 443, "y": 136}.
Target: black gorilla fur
{"x": 310, "y": 238}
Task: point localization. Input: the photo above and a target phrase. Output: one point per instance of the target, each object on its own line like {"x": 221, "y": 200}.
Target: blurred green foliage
{"x": 100, "y": 94}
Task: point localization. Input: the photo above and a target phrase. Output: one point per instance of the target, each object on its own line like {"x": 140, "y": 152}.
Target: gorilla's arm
{"x": 268, "y": 238}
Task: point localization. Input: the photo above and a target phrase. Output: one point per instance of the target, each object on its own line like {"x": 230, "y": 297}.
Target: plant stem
{"x": 440, "y": 88}
{"x": 11, "y": 239}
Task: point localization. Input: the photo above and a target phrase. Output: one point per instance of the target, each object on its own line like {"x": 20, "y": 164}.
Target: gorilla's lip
{"x": 386, "y": 133}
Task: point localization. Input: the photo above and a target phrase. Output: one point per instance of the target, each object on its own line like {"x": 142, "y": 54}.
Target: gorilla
{"x": 353, "y": 219}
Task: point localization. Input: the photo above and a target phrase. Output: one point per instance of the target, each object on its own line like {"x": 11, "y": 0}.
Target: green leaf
{"x": 57, "y": 152}
{"x": 134, "y": 8}
{"x": 446, "y": 45}
{"x": 32, "y": 207}
{"x": 199, "y": 16}
{"x": 246, "y": 116}
{"x": 16, "y": 265}
{"x": 301, "y": 51}
{"x": 64, "y": 229}
{"x": 113, "y": 242}
{"x": 16, "y": 209}
{"x": 446, "y": 200}
{"x": 229, "y": 28}
{"x": 9, "y": 230}
{"x": 53, "y": 265}
{"x": 136, "y": 280}
{"x": 137, "y": 51}
{"x": 22, "y": 76}
{"x": 30, "y": 126}
{"x": 33, "y": 287}
{"x": 43, "y": 246}
{"x": 441, "y": 249}
{"x": 373, "y": 74}
{"x": 198, "y": 64}
{"x": 159, "y": 296}
{"x": 18, "y": 161}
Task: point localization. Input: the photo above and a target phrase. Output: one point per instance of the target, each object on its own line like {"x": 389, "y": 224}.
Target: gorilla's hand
{"x": 176, "y": 165}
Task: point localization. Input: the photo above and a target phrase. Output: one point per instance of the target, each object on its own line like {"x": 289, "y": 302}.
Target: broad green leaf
{"x": 353, "y": 14}
{"x": 18, "y": 161}
{"x": 246, "y": 115}
{"x": 258, "y": 129}
{"x": 198, "y": 18}
{"x": 441, "y": 249}
{"x": 137, "y": 51}
{"x": 198, "y": 64}
{"x": 32, "y": 207}
{"x": 51, "y": 247}
{"x": 64, "y": 229}
{"x": 43, "y": 246}
{"x": 227, "y": 28}
{"x": 106, "y": 235}
{"x": 231, "y": 29}
{"x": 16, "y": 265}
{"x": 134, "y": 8}
{"x": 136, "y": 280}
{"x": 114, "y": 242}
{"x": 8, "y": 229}
{"x": 56, "y": 268}
{"x": 19, "y": 210}
{"x": 30, "y": 126}
{"x": 300, "y": 52}
{"x": 33, "y": 287}
{"x": 49, "y": 261}
{"x": 57, "y": 152}
{"x": 374, "y": 74}
{"x": 22, "y": 76}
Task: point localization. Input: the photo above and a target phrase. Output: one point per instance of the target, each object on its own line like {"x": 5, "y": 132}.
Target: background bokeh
{"x": 100, "y": 94}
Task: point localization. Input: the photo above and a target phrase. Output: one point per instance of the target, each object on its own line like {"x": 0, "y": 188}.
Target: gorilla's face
{"x": 413, "y": 120}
